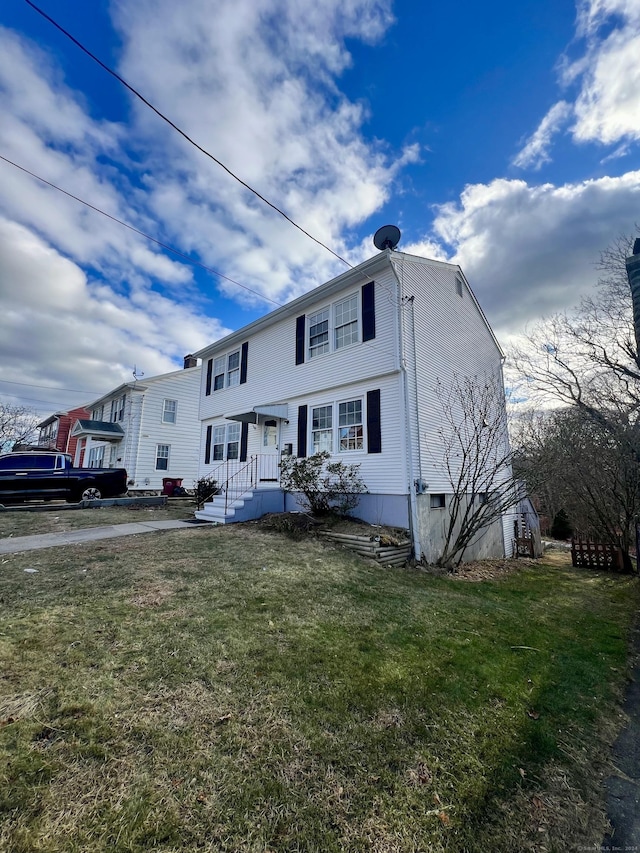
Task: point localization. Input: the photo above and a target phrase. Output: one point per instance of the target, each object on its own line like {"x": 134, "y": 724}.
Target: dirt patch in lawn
{"x": 301, "y": 524}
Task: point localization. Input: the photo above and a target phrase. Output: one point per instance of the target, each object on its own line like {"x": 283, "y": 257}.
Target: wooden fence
{"x": 597, "y": 555}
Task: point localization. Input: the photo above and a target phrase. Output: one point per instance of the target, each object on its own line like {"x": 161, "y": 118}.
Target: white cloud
{"x": 58, "y": 328}
{"x": 531, "y": 250}
{"x": 601, "y": 82}
{"x": 256, "y": 83}
{"x": 535, "y": 152}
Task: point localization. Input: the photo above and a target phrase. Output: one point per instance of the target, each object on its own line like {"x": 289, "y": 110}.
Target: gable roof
{"x": 139, "y": 386}
{"x": 97, "y": 428}
{"x": 357, "y": 275}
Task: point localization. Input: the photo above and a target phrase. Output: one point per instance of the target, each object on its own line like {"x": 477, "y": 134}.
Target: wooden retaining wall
{"x": 371, "y": 546}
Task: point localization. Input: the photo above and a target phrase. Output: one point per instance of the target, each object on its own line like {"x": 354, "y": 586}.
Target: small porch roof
{"x": 103, "y": 430}
{"x": 271, "y": 410}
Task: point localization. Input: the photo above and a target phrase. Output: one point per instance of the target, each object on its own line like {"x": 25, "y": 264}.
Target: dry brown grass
{"x": 232, "y": 689}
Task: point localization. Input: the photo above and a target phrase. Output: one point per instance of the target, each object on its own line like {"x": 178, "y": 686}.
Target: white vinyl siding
{"x": 145, "y": 429}
{"x": 444, "y": 336}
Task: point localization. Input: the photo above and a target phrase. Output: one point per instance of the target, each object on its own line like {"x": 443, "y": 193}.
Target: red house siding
{"x": 64, "y": 441}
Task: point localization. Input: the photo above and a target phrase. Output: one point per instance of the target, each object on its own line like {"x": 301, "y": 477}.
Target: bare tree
{"x": 588, "y": 357}
{"x": 477, "y": 460}
{"x": 586, "y": 468}
{"x": 17, "y": 426}
{"x": 586, "y": 362}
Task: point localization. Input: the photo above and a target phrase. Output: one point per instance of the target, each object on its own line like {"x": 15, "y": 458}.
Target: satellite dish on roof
{"x": 386, "y": 237}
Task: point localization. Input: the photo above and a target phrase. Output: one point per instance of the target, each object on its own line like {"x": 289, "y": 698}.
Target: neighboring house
{"x": 149, "y": 427}
{"x": 352, "y": 368}
{"x": 55, "y": 431}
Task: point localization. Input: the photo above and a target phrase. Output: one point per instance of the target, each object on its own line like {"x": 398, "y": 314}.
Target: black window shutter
{"x": 300, "y": 329}
{"x": 302, "y": 431}
{"x": 374, "y": 437}
{"x": 368, "y": 312}
{"x": 207, "y": 445}
{"x": 207, "y": 389}
{"x": 244, "y": 433}
{"x": 243, "y": 362}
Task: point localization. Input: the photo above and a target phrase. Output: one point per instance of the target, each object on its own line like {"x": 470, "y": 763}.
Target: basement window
{"x": 436, "y": 501}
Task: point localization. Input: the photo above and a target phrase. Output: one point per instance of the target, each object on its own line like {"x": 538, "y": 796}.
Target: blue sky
{"x": 500, "y": 136}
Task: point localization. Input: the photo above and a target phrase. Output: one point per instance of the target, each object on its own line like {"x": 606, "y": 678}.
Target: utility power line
{"x": 48, "y": 387}
{"x": 141, "y": 233}
{"x": 182, "y": 132}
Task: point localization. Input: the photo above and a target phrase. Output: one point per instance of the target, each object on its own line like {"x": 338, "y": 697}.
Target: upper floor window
{"x": 233, "y": 369}
{"x": 319, "y": 332}
{"x": 346, "y": 321}
{"x": 228, "y": 370}
{"x": 334, "y": 327}
{"x": 117, "y": 409}
{"x": 97, "y": 414}
{"x": 169, "y": 411}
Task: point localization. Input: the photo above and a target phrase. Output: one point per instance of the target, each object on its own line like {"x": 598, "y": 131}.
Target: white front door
{"x": 270, "y": 452}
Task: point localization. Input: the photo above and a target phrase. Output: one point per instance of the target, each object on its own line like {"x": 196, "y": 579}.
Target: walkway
{"x": 17, "y": 544}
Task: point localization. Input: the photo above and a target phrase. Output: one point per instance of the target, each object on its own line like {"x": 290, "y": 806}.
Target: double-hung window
{"x": 319, "y": 332}
{"x": 322, "y": 429}
{"x": 162, "y": 457}
{"x": 97, "y": 414}
{"x": 346, "y": 322}
{"x": 233, "y": 369}
{"x": 169, "y": 411}
{"x": 218, "y": 443}
{"x": 350, "y": 432}
{"x": 219, "y": 366}
{"x": 96, "y": 456}
{"x": 233, "y": 441}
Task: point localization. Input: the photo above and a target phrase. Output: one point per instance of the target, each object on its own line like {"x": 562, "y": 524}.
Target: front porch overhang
{"x": 98, "y": 430}
{"x": 272, "y": 410}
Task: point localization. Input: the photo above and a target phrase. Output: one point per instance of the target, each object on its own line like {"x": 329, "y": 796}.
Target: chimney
{"x": 190, "y": 361}
{"x": 633, "y": 274}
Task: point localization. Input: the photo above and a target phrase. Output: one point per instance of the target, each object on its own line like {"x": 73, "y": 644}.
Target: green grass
{"x": 228, "y": 689}
{"x": 23, "y": 523}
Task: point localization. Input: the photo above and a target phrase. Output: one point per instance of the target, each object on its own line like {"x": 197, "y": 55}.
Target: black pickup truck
{"x": 51, "y": 476}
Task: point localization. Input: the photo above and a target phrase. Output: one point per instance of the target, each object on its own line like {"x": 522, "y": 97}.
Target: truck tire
{"x": 91, "y": 493}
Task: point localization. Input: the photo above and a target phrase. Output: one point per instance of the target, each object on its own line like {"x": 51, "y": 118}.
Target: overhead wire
{"x": 48, "y": 387}
{"x": 182, "y": 132}
{"x": 141, "y": 233}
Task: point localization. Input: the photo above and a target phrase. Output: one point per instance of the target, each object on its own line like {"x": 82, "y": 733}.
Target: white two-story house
{"x": 150, "y": 427}
{"x": 352, "y": 368}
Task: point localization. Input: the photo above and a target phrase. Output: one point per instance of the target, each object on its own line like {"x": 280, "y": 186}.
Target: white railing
{"x": 234, "y": 479}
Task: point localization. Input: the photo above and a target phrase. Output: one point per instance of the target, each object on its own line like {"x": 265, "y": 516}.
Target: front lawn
{"x": 61, "y": 519}
{"x": 229, "y": 689}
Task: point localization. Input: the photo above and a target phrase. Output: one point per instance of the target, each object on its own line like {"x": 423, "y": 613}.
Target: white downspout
{"x": 406, "y": 425}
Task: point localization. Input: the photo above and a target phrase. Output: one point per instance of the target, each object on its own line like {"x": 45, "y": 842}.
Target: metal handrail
{"x": 252, "y": 466}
